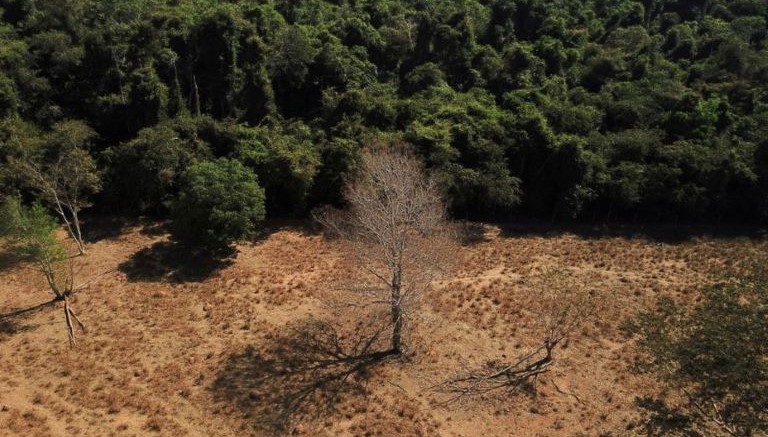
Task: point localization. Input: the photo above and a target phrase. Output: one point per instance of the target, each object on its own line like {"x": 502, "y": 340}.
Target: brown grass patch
{"x": 162, "y": 336}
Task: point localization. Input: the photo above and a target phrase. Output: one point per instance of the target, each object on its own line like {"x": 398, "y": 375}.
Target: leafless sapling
{"x": 563, "y": 305}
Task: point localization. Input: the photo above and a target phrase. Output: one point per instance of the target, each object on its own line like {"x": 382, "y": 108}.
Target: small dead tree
{"x": 31, "y": 231}
{"x": 65, "y": 179}
{"x": 563, "y": 306}
{"x": 395, "y": 226}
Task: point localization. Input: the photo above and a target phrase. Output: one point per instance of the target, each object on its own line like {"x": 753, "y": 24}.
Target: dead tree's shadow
{"x": 175, "y": 262}
{"x": 301, "y": 375}
{"x": 10, "y": 327}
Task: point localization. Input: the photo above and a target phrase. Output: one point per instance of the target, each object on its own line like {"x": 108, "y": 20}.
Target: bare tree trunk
{"x": 119, "y": 76}
{"x": 397, "y": 314}
{"x": 197, "y": 95}
{"x": 51, "y": 279}
{"x": 75, "y": 234}
{"x": 397, "y": 230}
{"x": 78, "y": 234}
{"x": 182, "y": 106}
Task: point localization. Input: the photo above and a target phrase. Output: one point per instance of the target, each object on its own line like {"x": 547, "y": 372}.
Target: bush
{"x": 219, "y": 202}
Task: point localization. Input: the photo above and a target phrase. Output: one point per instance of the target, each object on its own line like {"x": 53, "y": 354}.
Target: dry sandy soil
{"x": 176, "y": 346}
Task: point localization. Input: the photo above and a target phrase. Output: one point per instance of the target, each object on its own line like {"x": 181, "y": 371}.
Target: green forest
{"x": 654, "y": 110}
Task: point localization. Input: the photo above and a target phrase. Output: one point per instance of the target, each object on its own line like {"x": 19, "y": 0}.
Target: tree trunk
{"x": 47, "y": 269}
{"x": 197, "y": 95}
{"x": 397, "y": 314}
{"x": 119, "y": 76}
{"x": 78, "y": 234}
{"x": 75, "y": 235}
{"x": 181, "y": 105}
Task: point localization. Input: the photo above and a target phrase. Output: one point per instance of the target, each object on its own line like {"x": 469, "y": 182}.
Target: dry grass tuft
{"x": 158, "y": 342}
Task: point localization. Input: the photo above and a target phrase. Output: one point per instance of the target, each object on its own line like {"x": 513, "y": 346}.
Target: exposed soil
{"x": 180, "y": 344}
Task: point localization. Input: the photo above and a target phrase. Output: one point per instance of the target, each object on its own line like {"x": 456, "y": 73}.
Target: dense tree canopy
{"x": 600, "y": 108}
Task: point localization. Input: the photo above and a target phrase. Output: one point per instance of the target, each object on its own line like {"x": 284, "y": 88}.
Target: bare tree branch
{"x": 564, "y": 306}
{"x": 395, "y": 228}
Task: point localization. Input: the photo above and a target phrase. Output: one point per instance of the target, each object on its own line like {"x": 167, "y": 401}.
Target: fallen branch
{"x": 564, "y": 306}
{"x": 559, "y": 390}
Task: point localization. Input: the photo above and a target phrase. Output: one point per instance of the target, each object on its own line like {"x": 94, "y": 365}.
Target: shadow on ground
{"x": 661, "y": 419}
{"x": 175, "y": 262}
{"x": 9, "y": 258}
{"x": 97, "y": 228}
{"x": 302, "y": 226}
{"x": 300, "y": 375}
{"x": 658, "y": 233}
{"x": 10, "y": 327}
{"x": 471, "y": 233}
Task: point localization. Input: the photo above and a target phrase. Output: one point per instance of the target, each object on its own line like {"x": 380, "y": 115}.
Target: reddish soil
{"x": 177, "y": 346}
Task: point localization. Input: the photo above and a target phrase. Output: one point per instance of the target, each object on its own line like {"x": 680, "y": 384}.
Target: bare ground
{"x": 179, "y": 344}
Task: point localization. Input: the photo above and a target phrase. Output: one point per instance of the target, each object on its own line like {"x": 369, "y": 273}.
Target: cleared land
{"x": 190, "y": 347}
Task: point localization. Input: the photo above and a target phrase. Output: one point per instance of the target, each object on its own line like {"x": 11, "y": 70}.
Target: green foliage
{"x": 466, "y": 138}
{"x": 144, "y": 172}
{"x": 219, "y": 202}
{"x": 285, "y": 160}
{"x": 646, "y": 97}
{"x": 716, "y": 355}
{"x": 31, "y": 231}
{"x": 67, "y": 164}
{"x": 54, "y": 164}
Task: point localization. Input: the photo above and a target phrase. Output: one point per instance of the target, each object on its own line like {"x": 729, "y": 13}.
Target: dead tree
{"x": 564, "y": 306}
{"x": 395, "y": 227}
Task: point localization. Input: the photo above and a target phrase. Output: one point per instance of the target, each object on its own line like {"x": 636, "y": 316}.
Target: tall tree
{"x": 65, "y": 175}
{"x": 396, "y": 227}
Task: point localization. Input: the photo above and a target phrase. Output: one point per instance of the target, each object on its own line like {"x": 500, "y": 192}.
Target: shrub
{"x": 219, "y": 202}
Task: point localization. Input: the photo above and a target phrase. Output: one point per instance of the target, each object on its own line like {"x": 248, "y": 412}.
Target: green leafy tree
{"x": 64, "y": 174}
{"x": 143, "y": 174}
{"x": 218, "y": 202}
{"x": 285, "y": 160}
{"x": 465, "y": 138}
{"x": 715, "y": 356}
{"x": 32, "y": 233}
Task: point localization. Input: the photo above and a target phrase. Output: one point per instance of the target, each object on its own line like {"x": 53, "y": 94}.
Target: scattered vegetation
{"x": 388, "y": 118}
